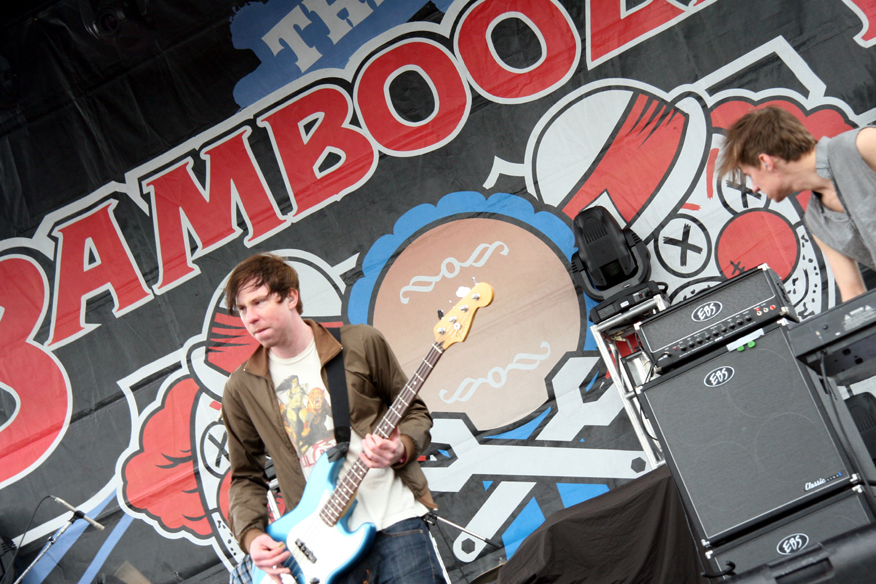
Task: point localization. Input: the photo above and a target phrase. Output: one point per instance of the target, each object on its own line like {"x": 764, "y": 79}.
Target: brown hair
{"x": 770, "y": 130}
{"x": 264, "y": 268}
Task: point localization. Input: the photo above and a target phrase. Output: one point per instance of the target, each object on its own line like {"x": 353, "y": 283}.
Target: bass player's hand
{"x": 268, "y": 556}
{"x": 380, "y": 452}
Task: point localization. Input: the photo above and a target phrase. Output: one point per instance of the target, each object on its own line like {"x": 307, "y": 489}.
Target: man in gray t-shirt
{"x": 776, "y": 151}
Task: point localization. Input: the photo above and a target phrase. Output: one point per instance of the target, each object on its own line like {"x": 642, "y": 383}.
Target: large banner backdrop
{"x": 395, "y": 151}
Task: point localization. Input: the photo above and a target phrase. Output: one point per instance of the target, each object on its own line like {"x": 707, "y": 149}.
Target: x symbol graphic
{"x": 220, "y": 446}
{"x": 684, "y": 244}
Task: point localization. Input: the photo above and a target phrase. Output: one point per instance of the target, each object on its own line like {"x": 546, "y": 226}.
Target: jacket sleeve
{"x": 249, "y": 485}
{"x": 389, "y": 379}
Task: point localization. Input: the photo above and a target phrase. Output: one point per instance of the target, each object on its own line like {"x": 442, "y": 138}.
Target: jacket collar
{"x": 326, "y": 346}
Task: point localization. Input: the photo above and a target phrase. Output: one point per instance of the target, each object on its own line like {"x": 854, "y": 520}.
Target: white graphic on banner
{"x": 450, "y": 269}
{"x": 496, "y": 377}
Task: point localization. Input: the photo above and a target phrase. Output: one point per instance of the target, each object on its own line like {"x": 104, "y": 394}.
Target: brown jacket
{"x": 253, "y": 422}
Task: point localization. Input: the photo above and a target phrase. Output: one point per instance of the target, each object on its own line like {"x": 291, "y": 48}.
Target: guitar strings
{"x": 334, "y": 507}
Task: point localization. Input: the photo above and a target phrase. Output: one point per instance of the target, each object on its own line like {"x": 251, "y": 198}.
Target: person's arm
{"x": 866, "y": 143}
{"x": 248, "y": 489}
{"x": 413, "y": 433}
{"x": 845, "y": 271}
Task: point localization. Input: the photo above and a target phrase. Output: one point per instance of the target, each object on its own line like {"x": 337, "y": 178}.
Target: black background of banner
{"x": 81, "y": 113}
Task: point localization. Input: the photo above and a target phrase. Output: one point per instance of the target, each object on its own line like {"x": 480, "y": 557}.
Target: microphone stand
{"x": 76, "y": 515}
{"x": 431, "y": 517}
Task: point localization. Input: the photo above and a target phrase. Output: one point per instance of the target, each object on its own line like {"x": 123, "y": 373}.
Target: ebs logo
{"x": 792, "y": 543}
{"x": 707, "y": 311}
{"x": 719, "y": 376}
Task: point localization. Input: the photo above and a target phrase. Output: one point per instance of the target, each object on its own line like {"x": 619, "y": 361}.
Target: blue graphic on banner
{"x": 294, "y": 37}
{"x": 524, "y": 524}
{"x": 524, "y": 431}
{"x": 574, "y": 493}
{"x": 551, "y": 226}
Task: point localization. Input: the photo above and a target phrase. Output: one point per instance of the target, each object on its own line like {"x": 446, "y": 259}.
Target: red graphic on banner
{"x": 230, "y": 344}
{"x": 181, "y": 207}
{"x": 559, "y": 52}
{"x": 322, "y": 154}
{"x": 383, "y": 122}
{"x": 821, "y": 123}
{"x": 775, "y": 244}
{"x": 644, "y": 148}
{"x": 868, "y": 16}
{"x": 160, "y": 480}
{"x": 610, "y": 29}
{"x": 93, "y": 257}
{"x": 27, "y": 369}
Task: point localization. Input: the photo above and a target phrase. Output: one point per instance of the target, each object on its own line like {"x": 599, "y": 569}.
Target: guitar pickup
{"x": 305, "y": 550}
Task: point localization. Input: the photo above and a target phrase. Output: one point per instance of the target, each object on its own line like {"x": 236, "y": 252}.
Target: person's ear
{"x": 292, "y": 299}
{"x": 766, "y": 161}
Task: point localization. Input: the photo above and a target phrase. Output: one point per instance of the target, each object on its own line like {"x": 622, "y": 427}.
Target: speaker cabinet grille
{"x": 745, "y": 436}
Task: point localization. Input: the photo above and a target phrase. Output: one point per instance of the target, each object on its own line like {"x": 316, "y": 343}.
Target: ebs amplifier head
{"x": 714, "y": 317}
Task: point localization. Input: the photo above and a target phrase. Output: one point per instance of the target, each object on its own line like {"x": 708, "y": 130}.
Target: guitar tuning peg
{"x": 440, "y": 314}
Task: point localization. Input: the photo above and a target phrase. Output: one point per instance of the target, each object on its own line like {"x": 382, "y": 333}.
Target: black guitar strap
{"x": 337, "y": 386}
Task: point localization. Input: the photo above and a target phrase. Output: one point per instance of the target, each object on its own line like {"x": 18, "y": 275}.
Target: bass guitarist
{"x": 278, "y": 403}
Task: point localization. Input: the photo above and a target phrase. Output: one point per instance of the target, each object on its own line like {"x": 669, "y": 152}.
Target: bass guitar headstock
{"x": 455, "y": 325}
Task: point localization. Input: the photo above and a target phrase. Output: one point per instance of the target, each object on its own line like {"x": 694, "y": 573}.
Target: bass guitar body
{"x": 320, "y": 553}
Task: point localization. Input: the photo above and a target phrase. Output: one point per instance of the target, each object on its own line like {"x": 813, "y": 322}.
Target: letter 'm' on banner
{"x": 183, "y": 209}
{"x": 322, "y": 156}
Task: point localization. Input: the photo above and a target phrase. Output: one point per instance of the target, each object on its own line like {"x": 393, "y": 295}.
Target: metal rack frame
{"x": 602, "y": 334}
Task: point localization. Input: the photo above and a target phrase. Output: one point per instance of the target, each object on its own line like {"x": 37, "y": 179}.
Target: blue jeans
{"x": 401, "y": 554}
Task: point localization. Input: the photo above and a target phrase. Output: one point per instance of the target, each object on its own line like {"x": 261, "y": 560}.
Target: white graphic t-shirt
{"x": 304, "y": 405}
{"x": 382, "y": 498}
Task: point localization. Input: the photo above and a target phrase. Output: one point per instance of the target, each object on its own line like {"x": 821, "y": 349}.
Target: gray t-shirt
{"x": 838, "y": 159}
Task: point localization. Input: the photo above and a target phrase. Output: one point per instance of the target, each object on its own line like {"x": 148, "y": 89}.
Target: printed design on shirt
{"x": 307, "y": 419}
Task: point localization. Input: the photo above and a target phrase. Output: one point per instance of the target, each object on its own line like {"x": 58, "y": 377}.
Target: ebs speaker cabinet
{"x": 745, "y": 436}
{"x": 797, "y": 533}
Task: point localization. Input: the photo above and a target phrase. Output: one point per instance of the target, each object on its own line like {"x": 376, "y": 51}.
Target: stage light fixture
{"x": 124, "y": 23}
{"x": 614, "y": 263}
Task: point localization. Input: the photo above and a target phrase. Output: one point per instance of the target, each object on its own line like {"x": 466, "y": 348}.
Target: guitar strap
{"x": 337, "y": 386}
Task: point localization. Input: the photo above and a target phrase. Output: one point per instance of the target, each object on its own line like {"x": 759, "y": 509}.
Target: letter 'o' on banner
{"x": 503, "y": 83}
{"x": 439, "y": 72}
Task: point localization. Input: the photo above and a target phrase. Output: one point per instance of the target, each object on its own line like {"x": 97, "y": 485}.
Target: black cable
{"x": 21, "y": 543}
{"x": 868, "y": 494}
{"x": 641, "y": 411}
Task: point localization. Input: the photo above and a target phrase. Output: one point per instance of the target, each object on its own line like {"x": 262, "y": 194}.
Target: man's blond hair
{"x": 771, "y": 130}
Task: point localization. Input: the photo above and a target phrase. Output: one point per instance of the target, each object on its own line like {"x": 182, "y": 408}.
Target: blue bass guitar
{"x": 316, "y": 532}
